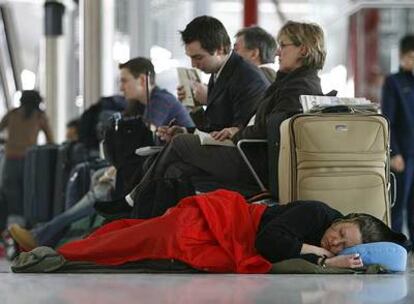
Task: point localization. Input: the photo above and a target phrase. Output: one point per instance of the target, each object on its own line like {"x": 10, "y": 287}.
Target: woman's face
{"x": 290, "y": 55}
{"x": 341, "y": 235}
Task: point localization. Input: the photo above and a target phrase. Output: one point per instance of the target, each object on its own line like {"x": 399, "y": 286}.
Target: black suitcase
{"x": 68, "y": 156}
{"x": 39, "y": 177}
{"x": 79, "y": 182}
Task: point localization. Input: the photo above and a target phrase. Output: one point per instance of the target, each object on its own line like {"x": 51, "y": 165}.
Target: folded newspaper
{"x": 206, "y": 139}
{"x": 312, "y": 103}
{"x": 186, "y": 78}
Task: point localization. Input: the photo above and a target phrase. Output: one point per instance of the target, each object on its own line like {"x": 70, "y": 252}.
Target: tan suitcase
{"x": 341, "y": 159}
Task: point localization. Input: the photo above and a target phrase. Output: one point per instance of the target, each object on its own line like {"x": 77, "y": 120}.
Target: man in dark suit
{"x": 235, "y": 87}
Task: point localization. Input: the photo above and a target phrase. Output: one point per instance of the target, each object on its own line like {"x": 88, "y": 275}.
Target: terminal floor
{"x": 203, "y": 288}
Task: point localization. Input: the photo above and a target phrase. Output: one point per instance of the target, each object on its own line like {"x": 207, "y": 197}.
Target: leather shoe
{"x": 23, "y": 237}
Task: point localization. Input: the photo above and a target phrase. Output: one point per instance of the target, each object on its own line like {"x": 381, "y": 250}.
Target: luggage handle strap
{"x": 339, "y": 109}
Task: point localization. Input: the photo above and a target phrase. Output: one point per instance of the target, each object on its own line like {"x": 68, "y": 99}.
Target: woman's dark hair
{"x": 73, "y": 123}
{"x": 209, "y": 31}
{"x": 30, "y": 102}
{"x": 373, "y": 229}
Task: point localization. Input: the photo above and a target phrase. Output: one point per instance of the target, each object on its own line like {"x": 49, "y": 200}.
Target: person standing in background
{"x": 23, "y": 125}
{"x": 398, "y": 106}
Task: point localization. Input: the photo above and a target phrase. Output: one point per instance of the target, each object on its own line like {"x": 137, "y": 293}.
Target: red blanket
{"x": 213, "y": 232}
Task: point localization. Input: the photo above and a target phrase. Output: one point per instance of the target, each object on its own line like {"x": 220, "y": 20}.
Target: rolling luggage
{"x": 69, "y": 154}
{"x": 39, "y": 183}
{"x": 79, "y": 182}
{"x": 340, "y": 158}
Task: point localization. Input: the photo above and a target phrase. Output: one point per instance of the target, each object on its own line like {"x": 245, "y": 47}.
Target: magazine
{"x": 312, "y": 103}
{"x": 206, "y": 139}
{"x": 186, "y": 78}
{"x": 149, "y": 150}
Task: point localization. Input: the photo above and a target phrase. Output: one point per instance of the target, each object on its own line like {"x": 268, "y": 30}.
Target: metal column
{"x": 140, "y": 28}
{"x": 250, "y": 12}
{"x": 108, "y": 67}
{"x": 90, "y": 50}
{"x": 202, "y": 7}
{"x": 55, "y": 73}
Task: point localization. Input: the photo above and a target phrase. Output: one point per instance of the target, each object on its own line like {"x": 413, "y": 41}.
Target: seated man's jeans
{"x": 50, "y": 233}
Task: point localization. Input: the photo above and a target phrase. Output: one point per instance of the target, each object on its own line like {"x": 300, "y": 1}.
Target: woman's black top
{"x": 284, "y": 228}
{"x": 282, "y": 97}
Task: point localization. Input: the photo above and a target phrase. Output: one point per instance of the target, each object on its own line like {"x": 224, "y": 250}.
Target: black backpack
{"x": 123, "y": 137}
{"x": 95, "y": 118}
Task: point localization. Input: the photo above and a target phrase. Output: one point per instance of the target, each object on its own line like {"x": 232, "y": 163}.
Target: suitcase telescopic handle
{"x": 393, "y": 188}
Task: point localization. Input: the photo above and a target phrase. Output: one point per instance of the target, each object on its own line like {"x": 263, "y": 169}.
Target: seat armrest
{"x": 240, "y": 145}
{"x": 273, "y": 136}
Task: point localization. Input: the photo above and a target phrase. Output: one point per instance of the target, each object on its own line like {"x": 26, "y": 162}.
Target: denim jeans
{"x": 50, "y": 233}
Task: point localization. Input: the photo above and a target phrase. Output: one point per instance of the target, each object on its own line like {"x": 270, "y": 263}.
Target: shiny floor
{"x": 203, "y": 288}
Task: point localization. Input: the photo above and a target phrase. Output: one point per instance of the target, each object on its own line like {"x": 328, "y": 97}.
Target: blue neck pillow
{"x": 391, "y": 256}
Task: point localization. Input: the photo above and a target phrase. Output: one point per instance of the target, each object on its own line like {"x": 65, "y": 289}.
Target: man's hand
{"x": 397, "y": 163}
{"x": 200, "y": 92}
{"x": 180, "y": 93}
{"x": 165, "y": 133}
{"x": 226, "y": 133}
{"x": 345, "y": 261}
{"x": 108, "y": 176}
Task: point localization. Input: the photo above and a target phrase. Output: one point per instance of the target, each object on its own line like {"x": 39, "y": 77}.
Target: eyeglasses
{"x": 283, "y": 45}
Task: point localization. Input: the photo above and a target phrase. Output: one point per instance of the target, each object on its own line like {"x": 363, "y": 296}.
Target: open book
{"x": 186, "y": 78}
{"x": 206, "y": 139}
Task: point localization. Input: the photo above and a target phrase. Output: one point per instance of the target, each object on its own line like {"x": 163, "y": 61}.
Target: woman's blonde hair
{"x": 309, "y": 35}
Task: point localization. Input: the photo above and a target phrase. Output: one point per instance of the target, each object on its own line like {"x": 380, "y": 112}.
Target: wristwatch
{"x": 322, "y": 261}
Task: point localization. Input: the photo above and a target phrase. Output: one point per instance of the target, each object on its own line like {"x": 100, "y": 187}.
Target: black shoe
{"x": 113, "y": 210}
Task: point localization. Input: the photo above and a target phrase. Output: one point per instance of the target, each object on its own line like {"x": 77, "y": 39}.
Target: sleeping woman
{"x": 220, "y": 232}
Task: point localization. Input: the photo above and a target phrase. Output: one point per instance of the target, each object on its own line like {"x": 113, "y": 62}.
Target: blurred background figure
{"x": 23, "y": 125}
{"x": 72, "y": 130}
{"x": 136, "y": 76}
{"x": 259, "y": 47}
{"x": 398, "y": 106}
